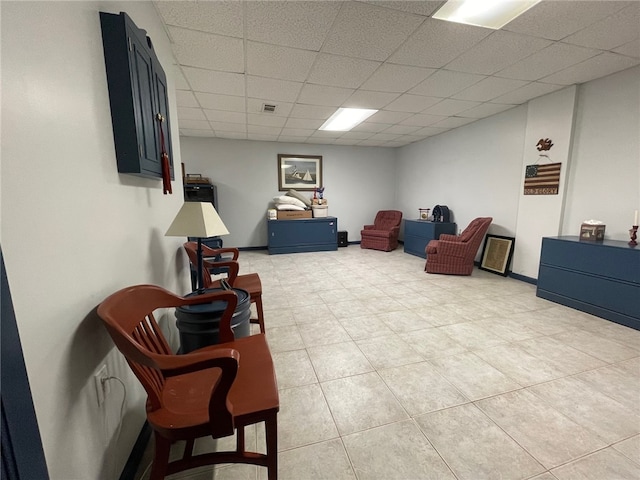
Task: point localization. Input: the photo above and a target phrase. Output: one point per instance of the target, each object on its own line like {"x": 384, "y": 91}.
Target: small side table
{"x": 417, "y": 233}
{"x": 199, "y": 325}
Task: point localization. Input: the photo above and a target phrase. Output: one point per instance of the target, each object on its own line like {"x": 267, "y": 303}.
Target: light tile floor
{"x": 386, "y": 372}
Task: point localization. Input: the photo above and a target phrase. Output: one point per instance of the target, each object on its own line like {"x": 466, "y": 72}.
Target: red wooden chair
{"x": 249, "y": 282}
{"x": 383, "y": 234}
{"x": 213, "y": 391}
{"x": 454, "y": 254}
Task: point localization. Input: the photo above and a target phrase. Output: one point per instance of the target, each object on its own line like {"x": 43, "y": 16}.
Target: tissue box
{"x": 592, "y": 233}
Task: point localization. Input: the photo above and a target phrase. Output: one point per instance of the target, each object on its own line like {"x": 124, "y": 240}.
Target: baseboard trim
{"x": 133, "y": 462}
{"x": 523, "y": 278}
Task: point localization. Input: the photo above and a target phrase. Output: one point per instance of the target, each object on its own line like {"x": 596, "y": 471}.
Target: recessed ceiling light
{"x": 346, "y": 118}
{"x": 483, "y": 13}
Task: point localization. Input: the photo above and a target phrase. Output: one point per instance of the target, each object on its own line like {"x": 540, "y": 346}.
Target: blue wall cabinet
{"x": 302, "y": 235}
{"x": 417, "y": 233}
{"x": 600, "y": 278}
{"x": 137, "y": 95}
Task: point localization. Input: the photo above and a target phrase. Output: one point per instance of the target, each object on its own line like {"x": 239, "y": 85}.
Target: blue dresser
{"x": 601, "y": 278}
{"x": 417, "y": 233}
{"x": 302, "y": 235}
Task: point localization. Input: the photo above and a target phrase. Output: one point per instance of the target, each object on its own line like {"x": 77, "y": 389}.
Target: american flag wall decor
{"x": 542, "y": 179}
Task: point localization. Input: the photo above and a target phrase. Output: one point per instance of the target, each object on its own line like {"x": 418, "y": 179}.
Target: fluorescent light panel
{"x": 345, "y": 119}
{"x": 483, "y": 13}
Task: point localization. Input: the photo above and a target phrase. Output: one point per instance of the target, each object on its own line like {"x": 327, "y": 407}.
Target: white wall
{"x": 550, "y": 116}
{"x": 604, "y": 179}
{"x": 468, "y": 170}
{"x": 358, "y": 182}
{"x": 73, "y": 229}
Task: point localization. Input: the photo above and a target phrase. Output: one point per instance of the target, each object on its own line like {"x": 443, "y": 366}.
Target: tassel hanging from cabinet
{"x": 164, "y": 160}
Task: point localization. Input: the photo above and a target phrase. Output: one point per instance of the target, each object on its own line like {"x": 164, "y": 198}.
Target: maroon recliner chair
{"x": 454, "y": 254}
{"x": 383, "y": 234}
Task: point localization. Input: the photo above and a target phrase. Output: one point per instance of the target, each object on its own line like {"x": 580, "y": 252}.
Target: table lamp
{"x": 197, "y": 219}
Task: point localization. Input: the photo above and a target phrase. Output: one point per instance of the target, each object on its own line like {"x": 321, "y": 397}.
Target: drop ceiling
{"x": 426, "y": 76}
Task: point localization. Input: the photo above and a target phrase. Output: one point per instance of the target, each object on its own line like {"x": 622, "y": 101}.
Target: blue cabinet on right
{"x": 417, "y": 233}
{"x": 600, "y": 278}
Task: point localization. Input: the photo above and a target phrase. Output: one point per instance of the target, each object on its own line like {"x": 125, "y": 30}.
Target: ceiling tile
{"x": 324, "y": 95}
{"x": 317, "y": 112}
{"x": 453, "y": 122}
{"x": 206, "y": 50}
{"x": 450, "y": 107}
{"x": 189, "y": 113}
{"x": 422, "y": 120}
{"x": 401, "y": 129}
{"x": 179, "y": 80}
{"x": 261, "y": 87}
{"x": 445, "y": 83}
{"x": 341, "y": 71}
{"x": 497, "y": 51}
{"x": 611, "y": 32}
{"x": 261, "y": 137}
{"x": 368, "y": 31}
{"x": 423, "y": 7}
{"x": 186, "y": 132}
{"x": 222, "y": 116}
{"x": 557, "y": 19}
{"x": 193, "y": 124}
{"x": 297, "y": 132}
{"x": 411, "y": 103}
{"x": 278, "y": 62}
{"x": 289, "y": 139}
{"x": 263, "y": 130}
{"x": 549, "y": 60}
{"x": 485, "y": 110}
{"x": 291, "y": 24}
{"x": 214, "y": 101}
{"x": 595, "y": 67}
{"x": 631, "y": 49}
{"x": 385, "y": 116}
{"x": 529, "y": 91}
{"x": 232, "y": 135}
{"x": 396, "y": 78}
{"x": 489, "y": 88}
{"x": 430, "y": 131}
{"x": 202, "y": 80}
{"x": 303, "y": 124}
{"x": 371, "y": 127}
{"x": 229, "y": 127}
{"x": 355, "y": 135}
{"x": 266, "y": 119}
{"x": 223, "y": 18}
{"x": 437, "y": 42}
{"x": 186, "y": 98}
{"x": 366, "y": 99}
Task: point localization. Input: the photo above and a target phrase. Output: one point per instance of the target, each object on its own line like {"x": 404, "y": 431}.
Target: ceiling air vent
{"x": 268, "y": 108}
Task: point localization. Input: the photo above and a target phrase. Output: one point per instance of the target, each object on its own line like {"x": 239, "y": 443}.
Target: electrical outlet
{"x": 102, "y": 384}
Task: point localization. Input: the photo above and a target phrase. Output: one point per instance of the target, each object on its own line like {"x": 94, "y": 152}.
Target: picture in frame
{"x": 299, "y": 172}
{"x": 497, "y": 253}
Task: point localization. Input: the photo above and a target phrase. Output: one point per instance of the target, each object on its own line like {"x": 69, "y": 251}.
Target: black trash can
{"x": 199, "y": 325}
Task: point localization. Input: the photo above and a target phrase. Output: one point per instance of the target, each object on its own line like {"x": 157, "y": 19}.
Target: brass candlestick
{"x": 633, "y": 233}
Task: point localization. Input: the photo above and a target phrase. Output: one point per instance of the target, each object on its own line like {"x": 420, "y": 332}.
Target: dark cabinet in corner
{"x": 137, "y": 95}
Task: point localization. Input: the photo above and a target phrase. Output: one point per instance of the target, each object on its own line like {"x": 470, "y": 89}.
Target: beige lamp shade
{"x": 197, "y": 219}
